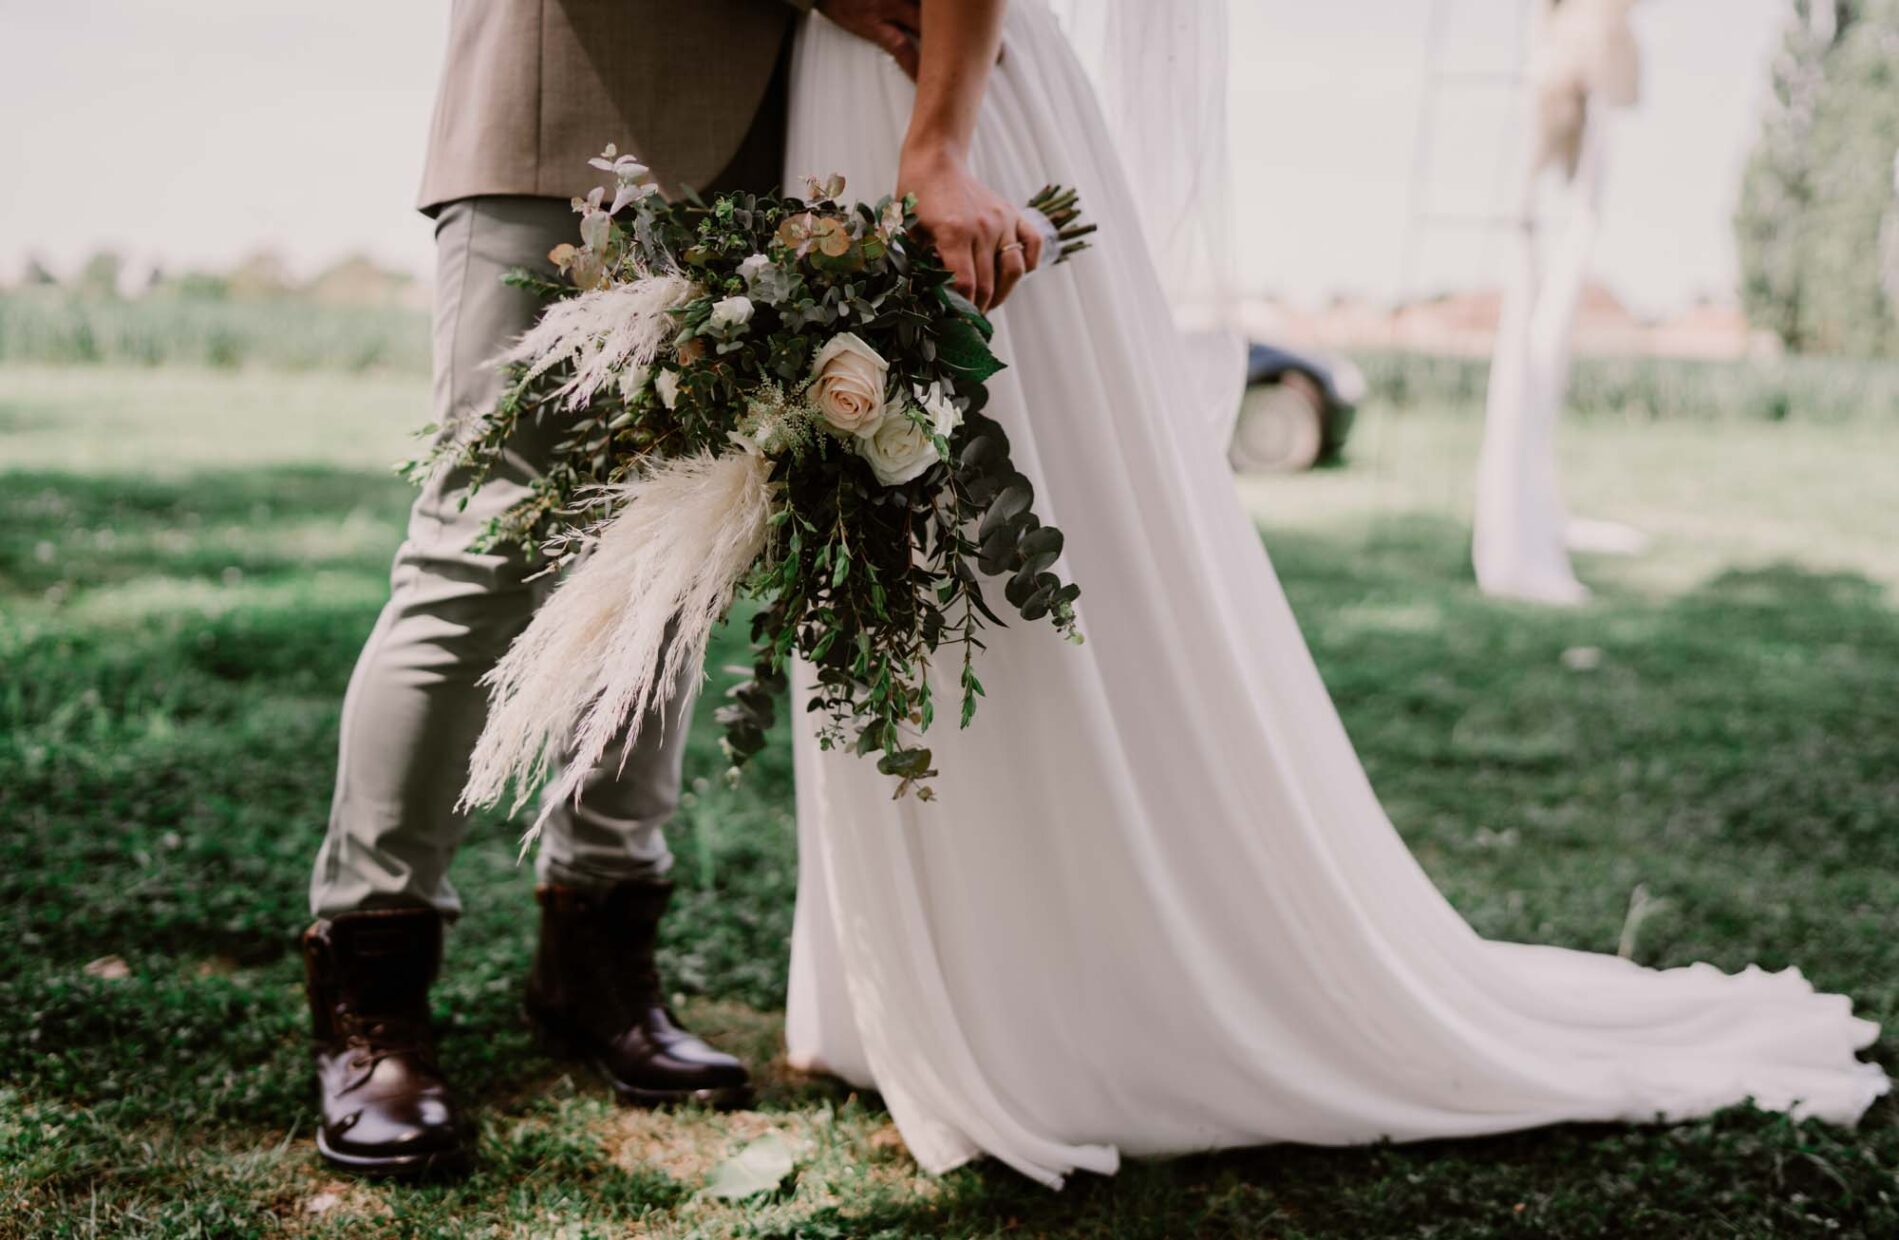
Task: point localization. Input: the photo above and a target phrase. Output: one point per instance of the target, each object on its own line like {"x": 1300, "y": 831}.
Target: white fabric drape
{"x": 1156, "y": 907}
{"x": 1159, "y": 72}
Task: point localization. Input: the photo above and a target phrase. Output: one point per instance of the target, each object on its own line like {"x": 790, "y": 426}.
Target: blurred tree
{"x": 359, "y": 280}
{"x": 101, "y": 275}
{"x": 36, "y": 273}
{"x": 1819, "y": 189}
{"x": 260, "y": 274}
{"x": 193, "y": 285}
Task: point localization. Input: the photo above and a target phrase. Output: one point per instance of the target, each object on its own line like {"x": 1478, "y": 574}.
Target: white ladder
{"x": 1439, "y": 81}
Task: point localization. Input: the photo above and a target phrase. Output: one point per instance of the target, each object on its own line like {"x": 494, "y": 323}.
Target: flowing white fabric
{"x": 1160, "y": 71}
{"x": 1156, "y": 907}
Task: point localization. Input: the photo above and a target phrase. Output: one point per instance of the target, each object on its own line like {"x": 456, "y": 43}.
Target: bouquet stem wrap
{"x": 626, "y": 624}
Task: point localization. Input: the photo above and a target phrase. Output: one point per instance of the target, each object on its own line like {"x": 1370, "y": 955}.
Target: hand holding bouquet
{"x": 779, "y": 395}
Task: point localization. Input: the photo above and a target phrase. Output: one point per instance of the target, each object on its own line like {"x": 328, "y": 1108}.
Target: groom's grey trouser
{"x": 414, "y": 708}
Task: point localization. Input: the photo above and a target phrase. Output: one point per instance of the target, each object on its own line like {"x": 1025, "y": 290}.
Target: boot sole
{"x": 395, "y": 1166}
{"x": 725, "y": 1098}
{"x": 558, "y": 1043}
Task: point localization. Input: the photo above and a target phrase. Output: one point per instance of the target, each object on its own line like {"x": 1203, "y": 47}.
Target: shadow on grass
{"x": 92, "y": 532}
{"x": 164, "y": 782}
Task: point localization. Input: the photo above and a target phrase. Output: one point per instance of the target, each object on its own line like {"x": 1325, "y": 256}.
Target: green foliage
{"x": 46, "y": 324}
{"x": 173, "y": 653}
{"x": 1819, "y": 221}
{"x": 1644, "y": 389}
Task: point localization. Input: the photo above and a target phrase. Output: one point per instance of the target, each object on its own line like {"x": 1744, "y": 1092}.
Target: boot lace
{"x": 372, "y": 1039}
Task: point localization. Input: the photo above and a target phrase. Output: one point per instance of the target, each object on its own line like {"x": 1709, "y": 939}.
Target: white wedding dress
{"x": 1156, "y": 907}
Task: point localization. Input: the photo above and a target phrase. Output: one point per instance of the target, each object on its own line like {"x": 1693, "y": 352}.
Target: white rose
{"x": 764, "y": 280}
{"x": 848, "y": 384}
{"x": 944, "y": 415}
{"x": 666, "y": 383}
{"x": 732, "y": 312}
{"x": 900, "y": 448}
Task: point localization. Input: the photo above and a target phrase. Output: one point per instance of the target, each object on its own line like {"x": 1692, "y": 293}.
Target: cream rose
{"x": 903, "y": 445}
{"x": 847, "y": 385}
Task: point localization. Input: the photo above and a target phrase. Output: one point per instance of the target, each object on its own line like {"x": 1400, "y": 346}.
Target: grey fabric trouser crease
{"x": 414, "y": 707}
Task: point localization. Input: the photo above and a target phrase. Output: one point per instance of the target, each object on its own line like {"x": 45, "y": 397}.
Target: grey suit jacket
{"x": 534, "y": 88}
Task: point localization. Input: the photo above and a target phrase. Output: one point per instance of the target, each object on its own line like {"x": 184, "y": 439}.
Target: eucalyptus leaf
{"x": 983, "y": 450}
{"x": 908, "y": 763}
{"x": 1040, "y": 548}
{"x": 1011, "y": 503}
{"x": 759, "y": 1168}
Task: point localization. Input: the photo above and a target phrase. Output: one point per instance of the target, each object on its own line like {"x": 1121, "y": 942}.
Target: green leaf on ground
{"x": 758, "y": 1168}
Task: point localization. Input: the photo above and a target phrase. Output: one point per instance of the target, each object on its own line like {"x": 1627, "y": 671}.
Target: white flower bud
{"x": 732, "y": 312}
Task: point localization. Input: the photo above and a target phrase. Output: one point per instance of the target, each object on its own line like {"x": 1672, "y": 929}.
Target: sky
{"x": 190, "y": 132}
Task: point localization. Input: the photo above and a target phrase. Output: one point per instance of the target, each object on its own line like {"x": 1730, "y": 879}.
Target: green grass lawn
{"x": 189, "y": 561}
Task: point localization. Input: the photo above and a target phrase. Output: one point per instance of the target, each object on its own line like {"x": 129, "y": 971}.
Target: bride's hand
{"x": 983, "y": 239}
{"x": 891, "y": 24}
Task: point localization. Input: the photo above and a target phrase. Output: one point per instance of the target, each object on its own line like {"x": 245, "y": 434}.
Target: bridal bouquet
{"x": 773, "y": 395}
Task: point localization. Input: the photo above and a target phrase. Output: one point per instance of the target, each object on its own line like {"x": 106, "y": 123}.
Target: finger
{"x": 961, "y": 261}
{"x": 910, "y": 58}
{"x": 902, "y": 48}
{"x": 905, "y": 15}
{"x": 985, "y": 271}
{"x": 1009, "y": 269}
{"x": 1031, "y": 238}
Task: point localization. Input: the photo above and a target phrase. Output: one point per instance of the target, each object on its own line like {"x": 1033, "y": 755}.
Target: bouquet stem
{"x": 1062, "y": 208}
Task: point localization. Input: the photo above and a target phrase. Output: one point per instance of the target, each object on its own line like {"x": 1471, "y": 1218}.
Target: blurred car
{"x": 1298, "y": 410}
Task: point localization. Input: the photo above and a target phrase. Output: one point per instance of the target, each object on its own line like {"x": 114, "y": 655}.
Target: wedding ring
{"x": 1013, "y": 245}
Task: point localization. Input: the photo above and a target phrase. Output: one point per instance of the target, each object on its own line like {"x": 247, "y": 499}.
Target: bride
{"x": 1156, "y": 907}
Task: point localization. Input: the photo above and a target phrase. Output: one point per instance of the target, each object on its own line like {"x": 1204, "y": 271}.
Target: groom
{"x": 531, "y": 90}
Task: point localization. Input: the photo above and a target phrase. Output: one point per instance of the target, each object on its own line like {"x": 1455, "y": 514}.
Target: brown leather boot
{"x": 385, "y": 1109}
{"x": 595, "y": 994}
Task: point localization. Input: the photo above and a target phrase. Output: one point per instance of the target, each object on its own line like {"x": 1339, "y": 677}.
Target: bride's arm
{"x": 983, "y": 239}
